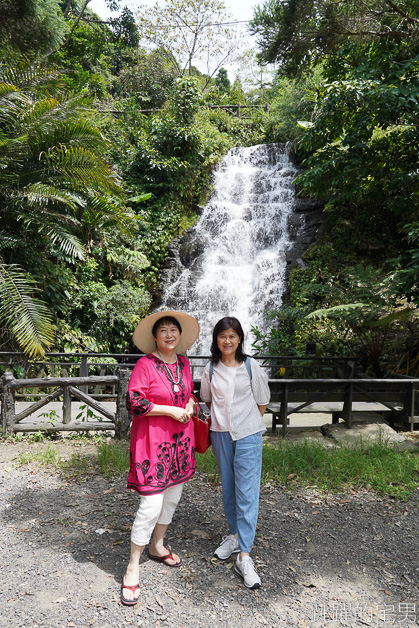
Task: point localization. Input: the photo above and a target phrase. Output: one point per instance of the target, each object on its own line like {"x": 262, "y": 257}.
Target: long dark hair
{"x": 222, "y": 325}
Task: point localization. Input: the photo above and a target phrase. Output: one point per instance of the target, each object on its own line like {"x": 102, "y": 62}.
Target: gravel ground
{"x": 325, "y": 560}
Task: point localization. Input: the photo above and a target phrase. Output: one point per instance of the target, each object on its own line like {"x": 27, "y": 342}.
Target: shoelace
{"x": 226, "y": 541}
{"x": 247, "y": 565}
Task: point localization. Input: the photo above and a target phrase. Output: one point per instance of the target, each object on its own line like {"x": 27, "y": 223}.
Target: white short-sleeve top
{"x": 235, "y": 399}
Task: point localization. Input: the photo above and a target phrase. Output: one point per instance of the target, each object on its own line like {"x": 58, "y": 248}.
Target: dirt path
{"x": 346, "y": 560}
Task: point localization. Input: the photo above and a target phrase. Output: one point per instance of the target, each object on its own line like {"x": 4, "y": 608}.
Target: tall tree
{"x": 52, "y": 184}
{"x": 296, "y": 33}
{"x": 191, "y": 33}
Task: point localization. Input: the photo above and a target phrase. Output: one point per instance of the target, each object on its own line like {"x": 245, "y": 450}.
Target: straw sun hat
{"x": 145, "y": 341}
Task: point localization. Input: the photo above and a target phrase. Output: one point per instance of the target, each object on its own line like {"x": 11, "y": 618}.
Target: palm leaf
{"x": 338, "y": 310}
{"x": 27, "y": 317}
{"x": 399, "y": 315}
{"x": 33, "y": 76}
{"x": 68, "y": 133}
{"x": 68, "y": 243}
{"x": 40, "y": 195}
{"x": 82, "y": 167}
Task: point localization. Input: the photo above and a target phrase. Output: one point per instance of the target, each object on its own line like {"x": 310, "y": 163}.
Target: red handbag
{"x": 202, "y": 422}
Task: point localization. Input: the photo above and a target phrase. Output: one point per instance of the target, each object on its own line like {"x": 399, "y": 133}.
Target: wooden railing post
{"x": 66, "y": 405}
{"x": 122, "y": 416}
{"x": 84, "y": 371}
{"x": 347, "y": 406}
{"x": 283, "y": 413}
{"x": 8, "y": 404}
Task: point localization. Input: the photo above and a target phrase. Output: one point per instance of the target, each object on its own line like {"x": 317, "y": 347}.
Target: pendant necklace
{"x": 170, "y": 374}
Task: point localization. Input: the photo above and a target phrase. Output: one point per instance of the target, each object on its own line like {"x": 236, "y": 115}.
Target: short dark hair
{"x": 222, "y": 325}
{"x": 165, "y": 320}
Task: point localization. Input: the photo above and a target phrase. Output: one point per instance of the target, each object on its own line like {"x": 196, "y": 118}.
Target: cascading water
{"x": 238, "y": 245}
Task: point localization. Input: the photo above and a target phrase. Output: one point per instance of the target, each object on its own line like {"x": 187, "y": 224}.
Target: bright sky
{"x": 240, "y": 9}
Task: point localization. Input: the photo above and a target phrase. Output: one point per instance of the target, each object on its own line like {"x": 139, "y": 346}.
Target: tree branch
{"x": 398, "y": 10}
{"x": 73, "y": 28}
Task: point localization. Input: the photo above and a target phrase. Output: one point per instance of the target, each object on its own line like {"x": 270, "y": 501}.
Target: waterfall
{"x": 235, "y": 262}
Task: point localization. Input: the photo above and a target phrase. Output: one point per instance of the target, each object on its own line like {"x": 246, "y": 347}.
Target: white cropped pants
{"x": 154, "y": 509}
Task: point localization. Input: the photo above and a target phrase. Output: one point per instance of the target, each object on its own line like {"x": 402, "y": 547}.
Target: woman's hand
{"x": 190, "y": 408}
{"x": 180, "y": 414}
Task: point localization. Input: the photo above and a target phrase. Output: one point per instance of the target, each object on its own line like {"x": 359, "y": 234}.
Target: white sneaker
{"x": 229, "y": 546}
{"x": 246, "y": 569}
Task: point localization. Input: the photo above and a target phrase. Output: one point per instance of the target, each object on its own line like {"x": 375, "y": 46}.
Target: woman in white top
{"x": 236, "y": 389}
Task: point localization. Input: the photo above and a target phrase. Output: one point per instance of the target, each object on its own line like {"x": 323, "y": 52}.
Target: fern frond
{"x": 30, "y": 76}
{"x": 68, "y": 243}
{"x": 8, "y": 241}
{"x": 68, "y": 133}
{"x": 399, "y": 315}
{"x": 338, "y": 310}
{"x": 27, "y": 317}
{"x": 82, "y": 167}
{"x": 42, "y": 195}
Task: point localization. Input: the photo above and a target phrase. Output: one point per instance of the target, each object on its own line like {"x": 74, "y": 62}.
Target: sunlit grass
{"x": 377, "y": 467}
{"x": 113, "y": 458}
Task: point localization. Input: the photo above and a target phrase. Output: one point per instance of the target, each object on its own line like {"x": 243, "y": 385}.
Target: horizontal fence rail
{"x": 297, "y": 384}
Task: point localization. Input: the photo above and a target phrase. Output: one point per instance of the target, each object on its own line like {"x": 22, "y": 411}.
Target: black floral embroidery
{"x": 176, "y": 464}
{"x": 179, "y": 397}
{"x": 137, "y": 405}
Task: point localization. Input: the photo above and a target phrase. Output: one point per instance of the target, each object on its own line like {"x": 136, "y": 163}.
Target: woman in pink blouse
{"x": 162, "y": 447}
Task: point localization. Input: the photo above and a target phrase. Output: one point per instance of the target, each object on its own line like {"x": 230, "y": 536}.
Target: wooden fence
{"x": 298, "y": 384}
{"x": 67, "y": 388}
{"x": 238, "y": 110}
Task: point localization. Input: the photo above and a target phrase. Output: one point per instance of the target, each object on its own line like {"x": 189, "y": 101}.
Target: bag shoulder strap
{"x": 211, "y": 370}
{"x": 249, "y": 368}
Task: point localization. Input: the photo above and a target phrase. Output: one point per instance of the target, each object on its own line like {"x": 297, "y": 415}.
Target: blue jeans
{"x": 240, "y": 465}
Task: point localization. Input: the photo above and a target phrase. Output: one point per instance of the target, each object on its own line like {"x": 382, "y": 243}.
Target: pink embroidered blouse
{"x": 162, "y": 450}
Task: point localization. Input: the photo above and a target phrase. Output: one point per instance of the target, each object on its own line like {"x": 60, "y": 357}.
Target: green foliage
{"x": 298, "y": 33}
{"x": 222, "y": 81}
{"x": 379, "y": 467}
{"x": 282, "y": 337}
{"x": 28, "y": 25}
{"x": 345, "y": 310}
{"x": 293, "y": 100}
{"x": 113, "y": 458}
{"x": 57, "y": 196}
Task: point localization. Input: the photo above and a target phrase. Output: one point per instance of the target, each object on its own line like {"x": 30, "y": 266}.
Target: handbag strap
{"x": 198, "y": 407}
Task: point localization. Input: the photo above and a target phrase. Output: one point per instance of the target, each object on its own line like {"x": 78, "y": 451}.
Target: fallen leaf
{"x": 229, "y": 565}
{"x": 118, "y": 542}
{"x": 201, "y": 533}
{"x": 291, "y": 475}
{"x": 59, "y": 600}
{"x": 307, "y": 584}
{"x": 110, "y": 490}
{"x": 260, "y": 618}
{"x": 308, "y": 539}
{"x": 292, "y": 568}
